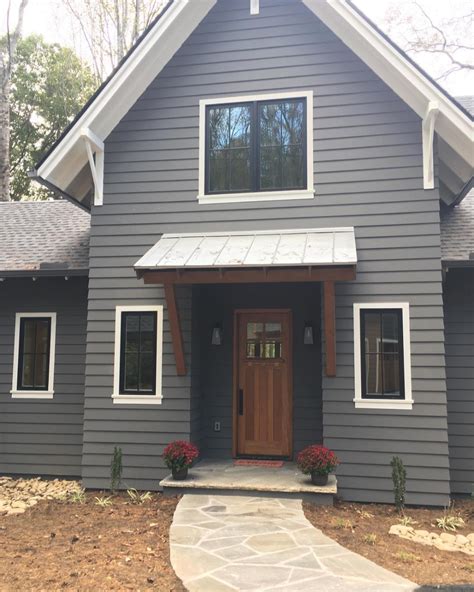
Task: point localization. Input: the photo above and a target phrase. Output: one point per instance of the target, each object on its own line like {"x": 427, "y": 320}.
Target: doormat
{"x": 273, "y": 464}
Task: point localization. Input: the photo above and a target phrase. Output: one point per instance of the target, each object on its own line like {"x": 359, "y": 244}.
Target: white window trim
{"x": 394, "y": 404}
{"x": 127, "y": 399}
{"x": 33, "y": 394}
{"x": 307, "y": 193}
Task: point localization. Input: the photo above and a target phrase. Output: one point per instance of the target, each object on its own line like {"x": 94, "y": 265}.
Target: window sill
{"x": 32, "y": 394}
{"x": 137, "y": 399}
{"x": 257, "y": 196}
{"x": 392, "y": 404}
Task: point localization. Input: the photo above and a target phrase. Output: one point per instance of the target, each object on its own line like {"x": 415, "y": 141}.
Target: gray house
{"x": 280, "y": 254}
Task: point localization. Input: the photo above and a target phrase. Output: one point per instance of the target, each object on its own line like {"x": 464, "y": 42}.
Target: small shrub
{"x": 399, "y": 477}
{"x": 363, "y": 514}
{"x": 138, "y": 498}
{"x": 450, "y": 522}
{"x": 370, "y": 539}
{"x": 78, "y": 497}
{"x": 317, "y": 459}
{"x": 407, "y": 521}
{"x": 103, "y": 502}
{"x": 116, "y": 469}
{"x": 343, "y": 524}
{"x": 469, "y": 567}
{"x": 407, "y": 557}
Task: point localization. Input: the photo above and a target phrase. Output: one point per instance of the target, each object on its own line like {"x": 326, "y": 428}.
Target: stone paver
{"x": 247, "y": 544}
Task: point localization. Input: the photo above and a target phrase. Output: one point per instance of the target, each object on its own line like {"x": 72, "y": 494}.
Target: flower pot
{"x": 179, "y": 474}
{"x": 317, "y": 479}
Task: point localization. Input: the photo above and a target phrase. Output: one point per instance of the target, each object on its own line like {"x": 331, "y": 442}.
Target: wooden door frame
{"x": 235, "y": 371}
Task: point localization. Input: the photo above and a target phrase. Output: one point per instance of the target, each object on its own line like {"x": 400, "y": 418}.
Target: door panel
{"x": 264, "y": 406}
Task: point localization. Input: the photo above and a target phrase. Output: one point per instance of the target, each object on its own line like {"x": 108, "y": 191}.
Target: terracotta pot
{"x": 319, "y": 479}
{"x": 179, "y": 474}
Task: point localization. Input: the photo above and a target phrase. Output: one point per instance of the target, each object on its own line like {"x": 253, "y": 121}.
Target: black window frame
{"x": 401, "y": 353}
{"x": 255, "y": 146}
{"x": 123, "y": 326}
{"x": 21, "y": 354}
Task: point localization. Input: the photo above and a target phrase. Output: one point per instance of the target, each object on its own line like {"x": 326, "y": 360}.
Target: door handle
{"x": 241, "y": 402}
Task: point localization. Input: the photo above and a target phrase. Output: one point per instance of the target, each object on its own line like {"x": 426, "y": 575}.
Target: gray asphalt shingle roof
{"x": 43, "y": 236}
{"x": 457, "y": 231}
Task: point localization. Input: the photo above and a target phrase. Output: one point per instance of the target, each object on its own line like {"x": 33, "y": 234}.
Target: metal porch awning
{"x": 281, "y": 248}
{"x": 326, "y": 255}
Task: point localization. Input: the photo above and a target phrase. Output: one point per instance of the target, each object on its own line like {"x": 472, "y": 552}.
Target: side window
{"x": 382, "y": 356}
{"x": 34, "y": 355}
{"x": 138, "y": 354}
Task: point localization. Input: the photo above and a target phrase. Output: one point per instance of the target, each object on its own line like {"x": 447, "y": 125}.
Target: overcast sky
{"x": 50, "y": 18}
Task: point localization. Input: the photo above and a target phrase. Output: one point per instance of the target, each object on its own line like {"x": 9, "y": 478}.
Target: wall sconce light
{"x": 217, "y": 334}
{"x": 308, "y": 334}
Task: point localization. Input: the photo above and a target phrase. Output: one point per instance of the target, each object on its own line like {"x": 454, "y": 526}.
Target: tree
{"x": 422, "y": 32}
{"x": 109, "y": 28}
{"x": 49, "y": 85}
{"x": 8, "y": 47}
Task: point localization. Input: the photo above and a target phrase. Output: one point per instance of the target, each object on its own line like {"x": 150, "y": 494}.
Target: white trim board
{"x": 127, "y": 399}
{"x": 389, "y": 404}
{"x": 34, "y": 394}
{"x": 307, "y": 193}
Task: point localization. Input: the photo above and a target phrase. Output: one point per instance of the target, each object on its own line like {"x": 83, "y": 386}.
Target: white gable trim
{"x": 124, "y": 89}
{"x": 397, "y": 72}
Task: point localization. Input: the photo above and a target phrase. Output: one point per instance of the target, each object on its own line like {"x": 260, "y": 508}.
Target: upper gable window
{"x": 257, "y": 149}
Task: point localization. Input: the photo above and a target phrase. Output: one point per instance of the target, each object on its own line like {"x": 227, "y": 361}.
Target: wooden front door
{"x": 263, "y": 398}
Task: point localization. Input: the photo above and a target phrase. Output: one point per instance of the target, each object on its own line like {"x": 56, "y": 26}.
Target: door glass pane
{"x": 273, "y": 330}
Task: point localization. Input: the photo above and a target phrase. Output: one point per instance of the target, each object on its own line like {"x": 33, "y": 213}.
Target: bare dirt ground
{"x": 363, "y": 528}
{"x": 84, "y": 547}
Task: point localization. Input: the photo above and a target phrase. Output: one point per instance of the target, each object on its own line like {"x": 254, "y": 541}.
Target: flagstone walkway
{"x": 229, "y": 543}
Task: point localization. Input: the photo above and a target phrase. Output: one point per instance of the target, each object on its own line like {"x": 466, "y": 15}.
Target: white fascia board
{"x": 398, "y": 73}
{"x": 125, "y": 88}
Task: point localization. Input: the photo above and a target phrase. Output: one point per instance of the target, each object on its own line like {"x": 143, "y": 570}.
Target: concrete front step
{"x": 224, "y": 478}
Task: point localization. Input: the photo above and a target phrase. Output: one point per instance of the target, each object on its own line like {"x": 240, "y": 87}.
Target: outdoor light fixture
{"x": 217, "y": 335}
{"x": 308, "y": 334}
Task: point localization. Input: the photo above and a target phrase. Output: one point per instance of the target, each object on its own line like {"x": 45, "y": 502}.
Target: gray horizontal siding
{"x": 368, "y": 174}
{"x": 44, "y": 437}
{"x": 459, "y": 315}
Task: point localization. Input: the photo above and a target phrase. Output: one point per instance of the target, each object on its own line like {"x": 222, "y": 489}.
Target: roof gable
{"x": 66, "y": 166}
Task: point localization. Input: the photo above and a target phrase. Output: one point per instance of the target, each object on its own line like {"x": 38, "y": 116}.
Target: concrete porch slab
{"x": 224, "y": 478}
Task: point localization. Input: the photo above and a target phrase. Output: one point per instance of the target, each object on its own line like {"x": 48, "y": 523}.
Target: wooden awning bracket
{"x": 329, "y": 297}
{"x": 175, "y": 328}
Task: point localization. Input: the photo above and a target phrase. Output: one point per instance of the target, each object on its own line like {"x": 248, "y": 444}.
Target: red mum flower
{"x": 317, "y": 459}
{"x": 180, "y": 455}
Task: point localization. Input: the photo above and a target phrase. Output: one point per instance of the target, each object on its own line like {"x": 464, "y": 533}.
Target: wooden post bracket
{"x": 175, "y": 328}
{"x": 330, "y": 327}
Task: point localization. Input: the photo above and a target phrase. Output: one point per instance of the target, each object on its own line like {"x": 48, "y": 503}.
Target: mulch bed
{"x": 84, "y": 547}
{"x": 363, "y": 528}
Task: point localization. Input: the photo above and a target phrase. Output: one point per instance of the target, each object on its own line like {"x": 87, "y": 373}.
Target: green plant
{"x": 137, "y": 497}
{"x": 407, "y": 557}
{"x": 116, "y": 469}
{"x": 78, "y": 497}
{"x": 370, "y": 539}
{"x": 399, "y": 477}
{"x": 450, "y": 522}
{"x": 103, "y": 502}
{"x": 343, "y": 524}
{"x": 407, "y": 521}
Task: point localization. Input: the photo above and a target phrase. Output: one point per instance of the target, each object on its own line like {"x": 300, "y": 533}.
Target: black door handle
{"x": 241, "y": 402}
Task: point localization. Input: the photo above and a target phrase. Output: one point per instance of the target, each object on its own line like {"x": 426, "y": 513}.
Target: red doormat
{"x": 274, "y": 464}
